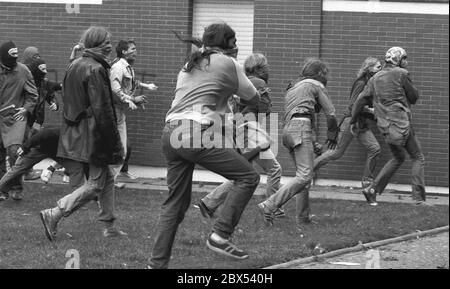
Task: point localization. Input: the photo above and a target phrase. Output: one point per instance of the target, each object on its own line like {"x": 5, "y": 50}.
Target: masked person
{"x": 204, "y": 85}
{"x": 16, "y": 88}
{"x": 392, "y": 92}
{"x": 301, "y": 101}
{"x": 89, "y": 133}
{"x": 364, "y": 134}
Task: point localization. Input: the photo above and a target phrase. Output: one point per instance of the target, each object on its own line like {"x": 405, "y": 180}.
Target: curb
{"x": 358, "y": 247}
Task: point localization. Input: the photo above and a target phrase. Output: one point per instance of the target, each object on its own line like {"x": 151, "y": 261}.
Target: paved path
{"x": 430, "y": 252}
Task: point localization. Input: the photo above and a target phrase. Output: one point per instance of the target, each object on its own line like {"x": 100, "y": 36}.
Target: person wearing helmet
{"x": 392, "y": 93}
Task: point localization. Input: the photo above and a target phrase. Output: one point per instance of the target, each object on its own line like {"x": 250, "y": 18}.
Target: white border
{"x": 386, "y": 7}
{"x": 93, "y": 2}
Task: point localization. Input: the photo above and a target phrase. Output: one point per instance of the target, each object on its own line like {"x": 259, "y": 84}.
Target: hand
{"x": 19, "y": 151}
{"x": 331, "y": 143}
{"x": 53, "y": 106}
{"x": 354, "y": 129}
{"x": 369, "y": 109}
{"x": 150, "y": 86}
{"x": 78, "y": 47}
{"x": 20, "y": 114}
{"x": 132, "y": 105}
{"x": 140, "y": 99}
{"x": 318, "y": 148}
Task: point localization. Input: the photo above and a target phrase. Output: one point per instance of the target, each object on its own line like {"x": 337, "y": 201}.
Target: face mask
{"x": 9, "y": 54}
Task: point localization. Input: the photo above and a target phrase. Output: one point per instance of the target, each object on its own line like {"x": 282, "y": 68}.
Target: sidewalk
{"x": 431, "y": 252}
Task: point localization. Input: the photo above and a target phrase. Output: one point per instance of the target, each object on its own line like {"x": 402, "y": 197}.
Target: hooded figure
{"x": 29, "y": 54}
{"x": 9, "y": 54}
{"x": 46, "y": 93}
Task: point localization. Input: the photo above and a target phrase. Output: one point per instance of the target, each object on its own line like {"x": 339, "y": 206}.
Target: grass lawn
{"x": 341, "y": 224}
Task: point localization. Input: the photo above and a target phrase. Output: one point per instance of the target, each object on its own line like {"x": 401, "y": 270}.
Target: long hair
{"x": 365, "y": 67}
{"x": 316, "y": 69}
{"x": 216, "y": 35}
{"x": 94, "y": 36}
{"x": 257, "y": 65}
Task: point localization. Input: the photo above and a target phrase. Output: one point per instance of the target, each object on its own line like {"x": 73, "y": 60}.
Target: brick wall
{"x": 50, "y": 28}
{"x": 287, "y": 32}
{"x": 348, "y": 38}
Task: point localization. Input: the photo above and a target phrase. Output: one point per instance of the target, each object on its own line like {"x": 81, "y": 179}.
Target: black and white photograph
{"x": 234, "y": 141}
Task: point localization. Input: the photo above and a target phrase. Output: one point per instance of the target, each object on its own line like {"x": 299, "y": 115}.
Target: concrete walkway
{"x": 431, "y": 252}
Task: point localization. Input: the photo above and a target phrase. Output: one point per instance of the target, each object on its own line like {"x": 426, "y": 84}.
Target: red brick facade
{"x": 287, "y": 32}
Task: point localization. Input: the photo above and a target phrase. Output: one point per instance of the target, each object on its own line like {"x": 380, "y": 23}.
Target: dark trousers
{"x": 33, "y": 156}
{"x": 412, "y": 147}
{"x": 180, "y": 167}
{"x": 11, "y": 152}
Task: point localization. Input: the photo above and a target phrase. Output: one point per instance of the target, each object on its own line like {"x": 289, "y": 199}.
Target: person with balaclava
{"x": 392, "y": 93}
{"x": 18, "y": 93}
{"x": 303, "y": 99}
{"x": 38, "y": 69}
{"x": 89, "y": 133}
{"x": 204, "y": 85}
{"x": 29, "y": 54}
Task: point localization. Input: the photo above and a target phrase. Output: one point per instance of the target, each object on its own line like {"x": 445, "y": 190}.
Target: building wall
{"x": 286, "y": 31}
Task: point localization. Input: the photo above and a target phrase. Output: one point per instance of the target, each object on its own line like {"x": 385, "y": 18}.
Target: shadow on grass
{"x": 341, "y": 224}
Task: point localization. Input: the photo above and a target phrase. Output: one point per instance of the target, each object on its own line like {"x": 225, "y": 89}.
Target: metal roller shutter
{"x": 238, "y": 14}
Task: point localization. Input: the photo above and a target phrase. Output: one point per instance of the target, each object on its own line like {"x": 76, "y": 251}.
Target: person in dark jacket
{"x": 46, "y": 93}
{"x": 89, "y": 132}
{"x": 17, "y": 89}
{"x": 39, "y": 146}
{"x": 392, "y": 93}
{"x": 363, "y": 134}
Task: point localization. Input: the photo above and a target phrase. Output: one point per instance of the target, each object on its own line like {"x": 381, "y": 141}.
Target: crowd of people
{"x": 213, "y": 93}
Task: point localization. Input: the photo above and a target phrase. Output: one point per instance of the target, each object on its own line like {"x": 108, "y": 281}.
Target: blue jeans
{"x": 297, "y": 137}
{"x": 412, "y": 147}
{"x": 180, "y": 167}
{"x": 365, "y": 137}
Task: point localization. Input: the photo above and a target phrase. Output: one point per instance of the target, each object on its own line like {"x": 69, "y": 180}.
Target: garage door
{"x": 238, "y": 14}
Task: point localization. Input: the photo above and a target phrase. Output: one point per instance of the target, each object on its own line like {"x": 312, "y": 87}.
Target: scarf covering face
{"x": 29, "y": 54}
{"x": 6, "y": 49}
{"x": 38, "y": 74}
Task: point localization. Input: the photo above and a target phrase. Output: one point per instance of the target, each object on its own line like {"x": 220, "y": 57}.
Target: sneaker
{"x": 279, "y": 213}
{"x": 32, "y": 175}
{"x": 119, "y": 185}
{"x": 3, "y": 196}
{"x": 267, "y": 216}
{"x": 17, "y": 195}
{"x": 113, "y": 232}
{"x": 46, "y": 175}
{"x": 205, "y": 211}
{"x": 227, "y": 249}
{"x": 370, "y": 195}
{"x": 422, "y": 203}
{"x": 309, "y": 220}
{"x": 50, "y": 221}
{"x": 128, "y": 175}
{"x": 66, "y": 179}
